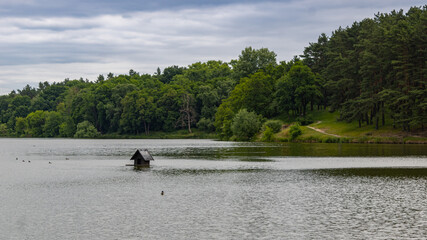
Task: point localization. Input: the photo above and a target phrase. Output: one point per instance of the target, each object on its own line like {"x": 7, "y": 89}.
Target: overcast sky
{"x": 50, "y": 40}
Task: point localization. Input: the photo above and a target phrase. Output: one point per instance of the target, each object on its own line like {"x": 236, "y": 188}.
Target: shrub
{"x": 331, "y": 140}
{"x": 295, "y": 131}
{"x": 86, "y": 130}
{"x": 304, "y": 120}
{"x": 268, "y": 135}
{"x": 245, "y": 125}
{"x": 275, "y": 125}
{"x": 206, "y": 124}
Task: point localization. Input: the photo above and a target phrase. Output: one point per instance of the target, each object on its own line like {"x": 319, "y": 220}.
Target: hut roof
{"x": 142, "y": 154}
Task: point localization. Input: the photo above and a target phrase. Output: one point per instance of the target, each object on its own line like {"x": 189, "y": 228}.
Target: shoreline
{"x": 310, "y": 139}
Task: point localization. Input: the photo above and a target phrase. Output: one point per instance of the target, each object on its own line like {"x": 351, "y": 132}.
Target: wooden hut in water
{"x": 141, "y": 159}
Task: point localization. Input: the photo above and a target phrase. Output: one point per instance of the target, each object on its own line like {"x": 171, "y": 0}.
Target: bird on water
{"x": 162, "y": 193}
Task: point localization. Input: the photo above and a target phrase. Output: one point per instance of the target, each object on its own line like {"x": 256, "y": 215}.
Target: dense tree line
{"x": 375, "y": 69}
{"x": 370, "y": 72}
{"x": 125, "y": 104}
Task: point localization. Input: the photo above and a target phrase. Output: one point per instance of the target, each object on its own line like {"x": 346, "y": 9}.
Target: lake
{"x": 213, "y": 190}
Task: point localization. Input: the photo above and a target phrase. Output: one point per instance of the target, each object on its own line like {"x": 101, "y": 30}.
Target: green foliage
{"x": 252, "y": 60}
{"x": 245, "y": 125}
{"x": 36, "y": 121}
{"x": 274, "y": 125}
{"x": 86, "y": 129}
{"x": 304, "y": 120}
{"x": 223, "y": 119}
{"x": 253, "y": 93}
{"x": 52, "y": 124}
{"x": 170, "y": 72}
{"x": 375, "y": 68}
{"x": 206, "y": 124}
{"x": 295, "y": 131}
{"x": 4, "y": 131}
{"x": 297, "y": 89}
{"x": 67, "y": 128}
{"x": 268, "y": 134}
{"x": 20, "y": 126}
{"x": 370, "y": 72}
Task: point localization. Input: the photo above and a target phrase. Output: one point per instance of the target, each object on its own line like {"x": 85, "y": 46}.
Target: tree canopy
{"x": 371, "y": 72}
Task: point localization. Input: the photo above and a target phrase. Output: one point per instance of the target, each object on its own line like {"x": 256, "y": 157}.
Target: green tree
{"x": 52, "y": 124}
{"x": 67, "y": 128}
{"x": 295, "y": 131}
{"x": 245, "y": 125}
{"x": 28, "y": 91}
{"x": 4, "y": 131}
{"x": 254, "y": 93}
{"x": 274, "y": 125}
{"x": 170, "y": 72}
{"x": 20, "y": 126}
{"x": 36, "y": 121}
{"x": 223, "y": 118}
{"x": 297, "y": 89}
{"x": 252, "y": 60}
{"x": 188, "y": 114}
{"x": 133, "y": 104}
{"x": 86, "y": 129}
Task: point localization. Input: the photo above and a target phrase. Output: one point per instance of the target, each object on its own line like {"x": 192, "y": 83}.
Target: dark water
{"x": 213, "y": 190}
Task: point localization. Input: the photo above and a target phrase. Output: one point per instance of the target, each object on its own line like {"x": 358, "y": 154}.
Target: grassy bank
{"x": 326, "y": 129}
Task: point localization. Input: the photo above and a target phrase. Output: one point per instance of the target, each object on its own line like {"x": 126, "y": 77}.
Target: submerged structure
{"x": 141, "y": 159}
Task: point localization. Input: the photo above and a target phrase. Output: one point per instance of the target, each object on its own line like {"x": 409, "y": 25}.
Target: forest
{"x": 372, "y": 72}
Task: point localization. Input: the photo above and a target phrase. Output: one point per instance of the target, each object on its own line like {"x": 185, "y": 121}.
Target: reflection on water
{"x": 212, "y": 190}
{"x": 376, "y": 172}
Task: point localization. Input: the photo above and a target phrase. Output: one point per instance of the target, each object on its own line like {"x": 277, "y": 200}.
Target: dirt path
{"x": 321, "y": 131}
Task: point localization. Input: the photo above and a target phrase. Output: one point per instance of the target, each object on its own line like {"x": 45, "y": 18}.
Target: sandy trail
{"x": 322, "y": 131}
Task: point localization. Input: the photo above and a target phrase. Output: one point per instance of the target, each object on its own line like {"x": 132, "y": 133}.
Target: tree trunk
{"x": 189, "y": 121}
{"x": 376, "y": 122}
{"x": 360, "y": 123}
{"x": 187, "y": 112}
{"x": 146, "y": 128}
{"x": 383, "y": 118}
{"x": 382, "y": 114}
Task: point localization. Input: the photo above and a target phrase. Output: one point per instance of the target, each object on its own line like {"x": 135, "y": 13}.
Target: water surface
{"x": 213, "y": 190}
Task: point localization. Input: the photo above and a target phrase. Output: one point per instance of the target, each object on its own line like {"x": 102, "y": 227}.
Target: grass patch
{"x": 330, "y": 124}
{"x": 348, "y": 132}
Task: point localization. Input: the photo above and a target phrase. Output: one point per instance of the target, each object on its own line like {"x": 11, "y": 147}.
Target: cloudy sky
{"x": 50, "y": 40}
